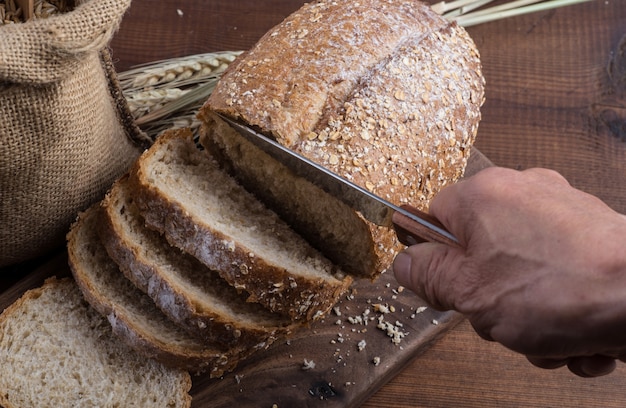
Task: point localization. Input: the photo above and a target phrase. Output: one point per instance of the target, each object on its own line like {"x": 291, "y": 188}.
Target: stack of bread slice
{"x": 190, "y": 268}
{"x": 177, "y": 270}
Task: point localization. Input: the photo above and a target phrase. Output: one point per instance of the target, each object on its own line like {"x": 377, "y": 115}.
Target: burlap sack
{"x": 65, "y": 130}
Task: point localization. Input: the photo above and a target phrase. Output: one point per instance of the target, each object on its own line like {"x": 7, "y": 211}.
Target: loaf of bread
{"x": 134, "y": 317}
{"x": 182, "y": 193}
{"x": 190, "y": 294}
{"x": 56, "y": 351}
{"x": 386, "y": 93}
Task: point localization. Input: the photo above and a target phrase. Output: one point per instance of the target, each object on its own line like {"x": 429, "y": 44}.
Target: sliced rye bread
{"x": 182, "y": 193}
{"x": 57, "y": 351}
{"x": 189, "y": 293}
{"x": 132, "y": 314}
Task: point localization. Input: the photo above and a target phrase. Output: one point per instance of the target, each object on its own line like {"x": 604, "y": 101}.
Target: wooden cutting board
{"x": 340, "y": 362}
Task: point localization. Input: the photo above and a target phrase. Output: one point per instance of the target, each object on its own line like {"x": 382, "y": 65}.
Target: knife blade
{"x": 411, "y": 225}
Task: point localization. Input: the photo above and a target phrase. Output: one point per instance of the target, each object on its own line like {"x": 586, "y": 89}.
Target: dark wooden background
{"x": 556, "y": 98}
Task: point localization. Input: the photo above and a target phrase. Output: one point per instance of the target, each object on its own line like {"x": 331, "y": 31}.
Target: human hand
{"x": 541, "y": 268}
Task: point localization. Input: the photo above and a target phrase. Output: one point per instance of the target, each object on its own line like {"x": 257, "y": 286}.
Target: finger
{"x": 425, "y": 269}
{"x": 592, "y": 366}
{"x": 456, "y": 204}
{"x": 547, "y": 363}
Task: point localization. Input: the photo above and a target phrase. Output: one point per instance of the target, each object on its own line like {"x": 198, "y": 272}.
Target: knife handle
{"x": 411, "y": 232}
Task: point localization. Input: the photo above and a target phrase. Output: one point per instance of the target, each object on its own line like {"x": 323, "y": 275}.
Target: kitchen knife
{"x": 411, "y": 225}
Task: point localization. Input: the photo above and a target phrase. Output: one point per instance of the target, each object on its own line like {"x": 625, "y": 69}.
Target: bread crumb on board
{"x": 377, "y": 312}
{"x": 393, "y": 330}
{"x": 387, "y": 312}
{"x": 308, "y": 365}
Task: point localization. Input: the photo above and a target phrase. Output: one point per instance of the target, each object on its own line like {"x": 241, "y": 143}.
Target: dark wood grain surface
{"x": 556, "y": 98}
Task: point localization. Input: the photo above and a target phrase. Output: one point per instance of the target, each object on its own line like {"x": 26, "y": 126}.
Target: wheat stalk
{"x": 511, "y": 9}
{"x": 443, "y": 6}
{"x": 142, "y": 103}
{"x": 176, "y": 70}
{"x": 465, "y": 8}
{"x": 167, "y": 94}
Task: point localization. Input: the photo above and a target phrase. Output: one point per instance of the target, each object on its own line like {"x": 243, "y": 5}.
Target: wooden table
{"x": 556, "y": 97}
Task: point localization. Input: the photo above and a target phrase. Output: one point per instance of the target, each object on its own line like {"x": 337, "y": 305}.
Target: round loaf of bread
{"x": 386, "y": 93}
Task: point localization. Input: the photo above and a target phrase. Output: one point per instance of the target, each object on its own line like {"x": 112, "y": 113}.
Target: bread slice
{"x": 182, "y": 193}
{"x": 132, "y": 314}
{"x": 57, "y": 351}
{"x": 327, "y": 223}
{"x": 190, "y": 294}
{"x": 386, "y": 93}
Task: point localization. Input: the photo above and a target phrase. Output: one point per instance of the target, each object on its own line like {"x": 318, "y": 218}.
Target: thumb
{"x": 428, "y": 269}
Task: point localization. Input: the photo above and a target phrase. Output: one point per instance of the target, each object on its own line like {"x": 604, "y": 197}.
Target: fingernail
{"x": 402, "y": 268}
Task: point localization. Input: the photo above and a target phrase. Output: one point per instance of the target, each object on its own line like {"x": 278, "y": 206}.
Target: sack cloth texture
{"x": 65, "y": 129}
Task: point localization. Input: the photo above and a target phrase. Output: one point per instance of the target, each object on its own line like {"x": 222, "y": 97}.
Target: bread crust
{"x": 385, "y": 93}
{"x": 271, "y": 285}
{"x": 310, "y": 62}
{"x": 192, "y": 311}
